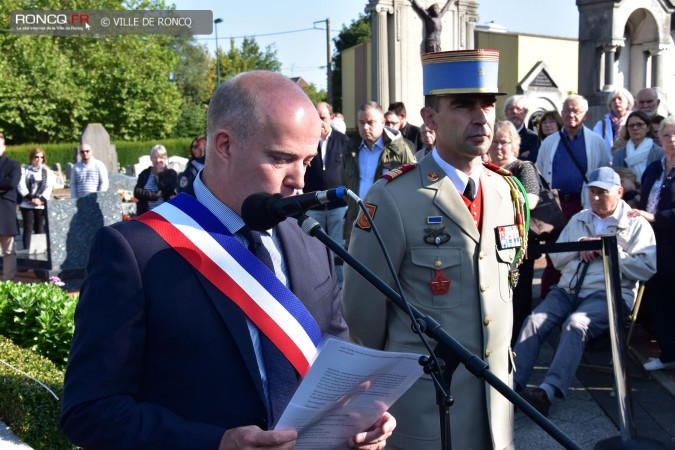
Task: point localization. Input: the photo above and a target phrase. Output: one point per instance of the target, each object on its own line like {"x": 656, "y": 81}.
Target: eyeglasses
{"x": 636, "y": 125}
{"x": 502, "y": 143}
{"x": 38, "y": 157}
{"x": 573, "y": 112}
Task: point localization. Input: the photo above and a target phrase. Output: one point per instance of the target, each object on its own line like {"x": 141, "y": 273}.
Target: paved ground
{"x": 589, "y": 414}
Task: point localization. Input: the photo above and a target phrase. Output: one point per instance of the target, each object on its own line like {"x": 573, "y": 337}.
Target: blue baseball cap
{"x": 604, "y": 178}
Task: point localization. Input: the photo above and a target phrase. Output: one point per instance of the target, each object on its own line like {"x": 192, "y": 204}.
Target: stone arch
{"x": 625, "y": 43}
{"x": 641, "y": 34}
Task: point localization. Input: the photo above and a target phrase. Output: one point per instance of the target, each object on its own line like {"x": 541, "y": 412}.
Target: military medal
{"x": 440, "y": 285}
{"x": 514, "y": 276}
{"x": 435, "y": 236}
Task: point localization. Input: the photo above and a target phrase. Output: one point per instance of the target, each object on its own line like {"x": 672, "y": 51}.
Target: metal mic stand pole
{"x": 433, "y": 329}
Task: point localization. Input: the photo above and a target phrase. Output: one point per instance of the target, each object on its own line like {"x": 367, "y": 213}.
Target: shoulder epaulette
{"x": 389, "y": 176}
{"x": 495, "y": 168}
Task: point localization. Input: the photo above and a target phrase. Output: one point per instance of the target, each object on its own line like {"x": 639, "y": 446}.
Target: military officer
{"x": 451, "y": 228}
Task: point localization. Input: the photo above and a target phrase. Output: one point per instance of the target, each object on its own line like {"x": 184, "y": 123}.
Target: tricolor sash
{"x": 199, "y": 237}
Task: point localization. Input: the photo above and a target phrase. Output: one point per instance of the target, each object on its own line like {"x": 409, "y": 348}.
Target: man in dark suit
{"x": 515, "y": 110}
{"x": 10, "y": 175}
{"x": 164, "y": 354}
{"x": 408, "y": 130}
{"x": 325, "y": 173}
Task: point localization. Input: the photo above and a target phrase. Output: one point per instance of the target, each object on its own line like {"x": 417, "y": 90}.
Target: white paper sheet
{"x": 347, "y": 388}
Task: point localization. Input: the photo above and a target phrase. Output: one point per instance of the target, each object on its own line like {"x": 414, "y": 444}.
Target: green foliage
{"x": 249, "y": 57}
{"x": 127, "y": 152}
{"x": 358, "y": 32}
{"x": 53, "y": 86}
{"x": 25, "y": 406}
{"x": 192, "y": 120}
{"x": 194, "y": 80}
{"x": 56, "y": 153}
{"x": 314, "y": 95}
{"x": 39, "y": 316}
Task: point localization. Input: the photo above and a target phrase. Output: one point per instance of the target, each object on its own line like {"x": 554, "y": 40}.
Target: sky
{"x": 297, "y": 28}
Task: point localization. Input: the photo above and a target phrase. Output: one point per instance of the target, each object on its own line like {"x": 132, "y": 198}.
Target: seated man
{"x": 578, "y": 302}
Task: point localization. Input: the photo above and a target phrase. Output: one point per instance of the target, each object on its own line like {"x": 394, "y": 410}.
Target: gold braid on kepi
{"x": 521, "y": 207}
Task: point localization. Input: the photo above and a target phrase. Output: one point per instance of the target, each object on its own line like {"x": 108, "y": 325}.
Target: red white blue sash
{"x": 199, "y": 237}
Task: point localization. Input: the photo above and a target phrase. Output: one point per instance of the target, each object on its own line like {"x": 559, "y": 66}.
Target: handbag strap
{"x": 574, "y": 158}
{"x": 543, "y": 184}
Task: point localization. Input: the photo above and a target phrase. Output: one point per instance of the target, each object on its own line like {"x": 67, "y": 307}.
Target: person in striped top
{"x": 89, "y": 175}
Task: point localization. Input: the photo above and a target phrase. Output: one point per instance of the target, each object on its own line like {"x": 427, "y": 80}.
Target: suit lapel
{"x": 447, "y": 199}
{"x": 235, "y": 321}
{"x": 290, "y": 237}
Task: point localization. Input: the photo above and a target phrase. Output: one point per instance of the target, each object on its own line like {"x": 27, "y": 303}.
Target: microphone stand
{"x": 452, "y": 351}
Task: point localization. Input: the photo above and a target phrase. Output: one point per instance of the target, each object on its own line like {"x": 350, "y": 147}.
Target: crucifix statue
{"x": 433, "y": 24}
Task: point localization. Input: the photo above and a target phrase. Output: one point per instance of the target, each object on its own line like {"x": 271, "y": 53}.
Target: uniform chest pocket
{"x": 504, "y": 259}
{"x": 436, "y": 264}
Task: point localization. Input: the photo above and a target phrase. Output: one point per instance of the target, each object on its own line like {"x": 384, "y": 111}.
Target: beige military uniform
{"x": 476, "y": 310}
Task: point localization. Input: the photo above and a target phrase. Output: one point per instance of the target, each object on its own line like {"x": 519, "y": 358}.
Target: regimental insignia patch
{"x": 362, "y": 221}
{"x": 392, "y": 174}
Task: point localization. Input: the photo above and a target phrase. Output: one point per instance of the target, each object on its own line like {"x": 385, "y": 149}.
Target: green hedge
{"x": 36, "y": 329}
{"x": 39, "y": 316}
{"x": 127, "y": 152}
{"x": 26, "y": 407}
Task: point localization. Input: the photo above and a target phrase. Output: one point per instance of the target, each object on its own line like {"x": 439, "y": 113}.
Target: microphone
{"x": 262, "y": 211}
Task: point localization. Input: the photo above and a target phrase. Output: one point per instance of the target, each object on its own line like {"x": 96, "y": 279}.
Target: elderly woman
{"x": 657, "y": 205}
{"x": 157, "y": 183}
{"x": 549, "y": 122}
{"x": 504, "y": 153}
{"x": 620, "y": 103}
{"x": 640, "y": 149}
{"x": 35, "y": 188}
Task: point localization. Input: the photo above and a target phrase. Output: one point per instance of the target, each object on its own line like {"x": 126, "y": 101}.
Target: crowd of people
{"x": 35, "y": 182}
{"x": 187, "y": 364}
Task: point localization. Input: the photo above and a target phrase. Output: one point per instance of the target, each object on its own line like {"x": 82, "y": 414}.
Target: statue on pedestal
{"x": 433, "y": 24}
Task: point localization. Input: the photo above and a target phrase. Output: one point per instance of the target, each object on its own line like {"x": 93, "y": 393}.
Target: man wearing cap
{"x": 579, "y": 301}
{"x": 439, "y": 220}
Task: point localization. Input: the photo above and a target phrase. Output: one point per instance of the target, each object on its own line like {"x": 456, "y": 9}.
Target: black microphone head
{"x": 258, "y": 212}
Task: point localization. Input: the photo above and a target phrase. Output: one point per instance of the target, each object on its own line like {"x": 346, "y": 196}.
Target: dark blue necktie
{"x": 281, "y": 375}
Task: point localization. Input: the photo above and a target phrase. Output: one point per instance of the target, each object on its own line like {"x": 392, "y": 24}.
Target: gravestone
{"x": 72, "y": 225}
{"x": 96, "y": 135}
{"x": 121, "y": 181}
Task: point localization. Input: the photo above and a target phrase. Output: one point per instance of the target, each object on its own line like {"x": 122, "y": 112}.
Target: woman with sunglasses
{"x": 640, "y": 149}
{"x": 35, "y": 189}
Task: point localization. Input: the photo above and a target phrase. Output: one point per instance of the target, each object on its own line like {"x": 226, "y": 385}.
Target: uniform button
{"x": 481, "y": 255}
{"x": 487, "y": 321}
{"x": 483, "y": 288}
{"x": 487, "y": 353}
{"x": 437, "y": 263}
